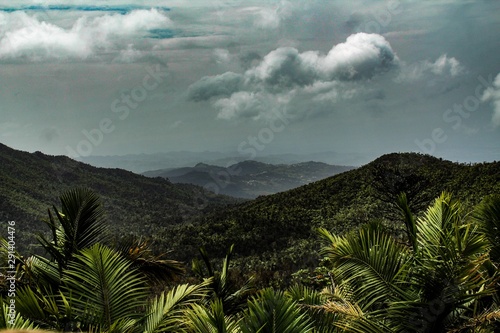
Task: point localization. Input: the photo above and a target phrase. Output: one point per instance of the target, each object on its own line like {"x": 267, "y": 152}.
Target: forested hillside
{"x": 276, "y": 235}
{"x": 32, "y": 183}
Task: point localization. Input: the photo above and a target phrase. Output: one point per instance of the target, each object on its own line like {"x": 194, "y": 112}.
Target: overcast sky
{"x": 251, "y": 77}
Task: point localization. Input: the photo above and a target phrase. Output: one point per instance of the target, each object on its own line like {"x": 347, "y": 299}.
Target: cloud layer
{"x": 288, "y": 72}
{"x": 492, "y": 94}
{"x": 25, "y": 37}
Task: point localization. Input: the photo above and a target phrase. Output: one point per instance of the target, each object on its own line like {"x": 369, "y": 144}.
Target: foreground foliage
{"x": 440, "y": 276}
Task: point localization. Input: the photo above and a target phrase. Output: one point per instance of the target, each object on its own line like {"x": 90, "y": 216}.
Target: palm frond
{"x": 165, "y": 312}
{"x": 157, "y": 268}
{"x": 12, "y": 319}
{"x": 103, "y": 286}
{"x": 201, "y": 319}
{"x": 79, "y": 225}
{"x": 272, "y": 311}
{"x": 371, "y": 260}
{"x": 487, "y": 215}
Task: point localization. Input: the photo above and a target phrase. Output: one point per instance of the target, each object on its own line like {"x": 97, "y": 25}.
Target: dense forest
{"x": 31, "y": 183}
{"x": 442, "y": 276}
{"x": 276, "y": 235}
{"x": 406, "y": 243}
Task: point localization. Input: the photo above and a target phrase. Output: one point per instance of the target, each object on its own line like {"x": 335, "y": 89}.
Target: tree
{"x": 436, "y": 284}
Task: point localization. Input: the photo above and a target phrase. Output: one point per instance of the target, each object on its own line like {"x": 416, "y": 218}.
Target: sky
{"x": 253, "y": 77}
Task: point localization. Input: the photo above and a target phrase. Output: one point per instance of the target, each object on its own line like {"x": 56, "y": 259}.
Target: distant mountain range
{"x": 250, "y": 179}
{"x": 140, "y": 163}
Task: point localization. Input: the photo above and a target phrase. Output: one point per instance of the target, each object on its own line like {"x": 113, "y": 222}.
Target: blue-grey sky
{"x": 251, "y": 77}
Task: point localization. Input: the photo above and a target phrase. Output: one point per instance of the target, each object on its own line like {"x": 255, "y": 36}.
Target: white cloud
{"x": 443, "y": 66}
{"x": 285, "y": 73}
{"x": 446, "y": 65}
{"x": 25, "y": 37}
{"x": 129, "y": 55}
{"x": 361, "y": 56}
{"x": 222, "y": 56}
{"x": 241, "y": 104}
{"x": 254, "y": 105}
{"x": 492, "y": 94}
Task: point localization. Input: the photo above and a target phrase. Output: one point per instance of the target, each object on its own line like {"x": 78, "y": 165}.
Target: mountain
{"x": 276, "y": 235}
{"x": 250, "y": 179}
{"x": 140, "y": 163}
{"x": 30, "y": 183}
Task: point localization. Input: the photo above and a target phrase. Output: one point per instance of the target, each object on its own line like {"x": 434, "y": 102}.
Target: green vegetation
{"x": 441, "y": 277}
{"x": 275, "y": 236}
{"x": 134, "y": 204}
{"x": 367, "y": 250}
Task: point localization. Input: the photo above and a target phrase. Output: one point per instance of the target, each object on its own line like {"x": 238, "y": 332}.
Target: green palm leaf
{"x": 487, "y": 215}
{"x": 272, "y": 311}
{"x": 370, "y": 260}
{"x": 79, "y": 225}
{"x": 12, "y": 320}
{"x": 165, "y": 313}
{"x": 103, "y": 287}
{"x": 200, "y": 319}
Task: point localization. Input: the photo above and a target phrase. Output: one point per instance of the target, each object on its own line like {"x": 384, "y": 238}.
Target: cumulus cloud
{"x": 253, "y": 105}
{"x": 287, "y": 72}
{"x": 215, "y": 86}
{"x": 361, "y": 56}
{"x": 129, "y": 55}
{"x": 266, "y": 17}
{"x": 26, "y": 37}
{"x": 492, "y": 94}
{"x": 242, "y": 104}
{"x": 443, "y": 66}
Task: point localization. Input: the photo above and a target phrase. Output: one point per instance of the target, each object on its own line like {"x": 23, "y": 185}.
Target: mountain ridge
{"x": 250, "y": 179}
{"x": 280, "y": 229}
{"x": 30, "y": 183}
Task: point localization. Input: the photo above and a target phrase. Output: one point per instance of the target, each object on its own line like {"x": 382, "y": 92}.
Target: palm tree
{"x": 272, "y": 311}
{"x": 233, "y": 297}
{"x": 435, "y": 284}
{"x": 91, "y": 287}
{"x": 80, "y": 224}
{"x": 156, "y": 267}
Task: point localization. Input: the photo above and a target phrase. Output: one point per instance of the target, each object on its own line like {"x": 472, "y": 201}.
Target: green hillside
{"x": 32, "y": 183}
{"x": 276, "y": 235}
